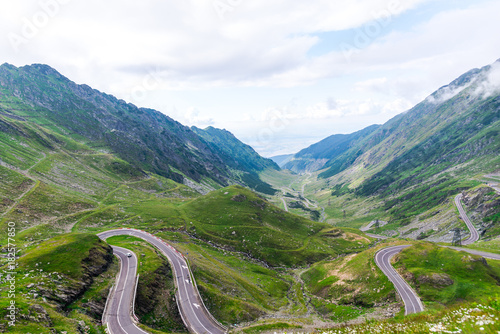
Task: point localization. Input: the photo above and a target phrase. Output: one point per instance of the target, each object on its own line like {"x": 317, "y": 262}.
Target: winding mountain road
{"x": 383, "y": 257}
{"x": 476, "y": 252}
{"x": 412, "y": 302}
{"x": 284, "y": 204}
{"x": 193, "y": 312}
{"x": 118, "y": 315}
{"x": 195, "y": 315}
{"x": 474, "y": 235}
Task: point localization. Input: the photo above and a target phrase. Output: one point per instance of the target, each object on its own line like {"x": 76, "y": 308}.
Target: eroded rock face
{"x": 438, "y": 281}
{"x": 155, "y": 301}
{"x": 239, "y": 198}
{"x": 37, "y": 314}
{"x": 482, "y": 204}
{"x": 98, "y": 261}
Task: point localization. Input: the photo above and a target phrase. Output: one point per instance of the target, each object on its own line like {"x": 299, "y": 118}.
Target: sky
{"x": 280, "y": 75}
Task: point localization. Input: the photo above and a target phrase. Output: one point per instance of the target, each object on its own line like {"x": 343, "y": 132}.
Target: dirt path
{"x": 19, "y": 199}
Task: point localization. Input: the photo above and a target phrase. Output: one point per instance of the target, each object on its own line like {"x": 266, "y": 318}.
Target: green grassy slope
{"x": 71, "y": 186}
{"x": 349, "y": 286}
{"x": 407, "y": 170}
{"x": 49, "y": 284}
{"x": 143, "y": 137}
{"x": 405, "y": 131}
{"x": 467, "y": 318}
{"x": 428, "y": 141}
{"x": 443, "y": 276}
{"x": 82, "y": 118}
{"x": 235, "y": 217}
{"x": 457, "y": 147}
{"x": 239, "y": 156}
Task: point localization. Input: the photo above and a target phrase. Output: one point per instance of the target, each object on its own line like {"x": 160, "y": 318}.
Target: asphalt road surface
{"x": 410, "y": 298}
{"x": 194, "y": 314}
{"x": 377, "y": 236}
{"x": 118, "y": 313}
{"x": 370, "y": 225}
{"x": 474, "y": 235}
{"x": 476, "y": 252}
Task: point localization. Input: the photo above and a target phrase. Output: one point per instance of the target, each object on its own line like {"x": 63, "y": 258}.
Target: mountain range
{"x": 418, "y": 159}
{"x": 470, "y": 101}
{"x": 75, "y": 162}
{"x": 145, "y": 138}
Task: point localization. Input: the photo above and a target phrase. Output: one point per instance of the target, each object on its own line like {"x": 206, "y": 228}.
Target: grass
{"x": 52, "y": 255}
{"x": 237, "y": 218}
{"x": 46, "y": 202}
{"x": 343, "y": 209}
{"x": 234, "y": 288}
{"x": 12, "y": 185}
{"x": 278, "y": 179}
{"x": 443, "y": 276}
{"x": 274, "y": 326}
{"x": 491, "y": 246}
{"x": 349, "y": 285}
{"x": 20, "y": 151}
{"x": 67, "y": 171}
{"x": 335, "y": 312}
{"x": 44, "y": 272}
{"x": 470, "y": 318}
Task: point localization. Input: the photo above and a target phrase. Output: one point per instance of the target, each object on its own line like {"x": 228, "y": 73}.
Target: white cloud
{"x": 442, "y": 48}
{"x": 324, "y": 110}
{"x": 446, "y": 93}
{"x": 255, "y": 43}
{"x": 193, "y": 117}
{"x": 491, "y": 83}
{"x": 331, "y": 110}
{"x": 172, "y": 54}
{"x": 397, "y": 106}
{"x": 370, "y": 85}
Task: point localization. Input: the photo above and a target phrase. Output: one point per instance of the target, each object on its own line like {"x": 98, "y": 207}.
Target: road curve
{"x": 410, "y": 299}
{"x": 474, "y": 235}
{"x": 118, "y": 315}
{"x": 193, "y": 312}
{"x": 284, "y": 204}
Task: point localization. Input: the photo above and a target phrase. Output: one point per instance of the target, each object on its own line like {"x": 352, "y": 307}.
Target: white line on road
{"x": 474, "y": 235}
{"x": 402, "y": 287}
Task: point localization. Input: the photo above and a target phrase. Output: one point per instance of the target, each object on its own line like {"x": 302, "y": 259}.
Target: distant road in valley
{"x": 383, "y": 257}
{"x": 377, "y": 236}
{"x": 476, "y": 252}
{"x": 370, "y": 225}
{"x": 284, "y": 203}
{"x": 474, "y": 235}
{"x": 194, "y": 314}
